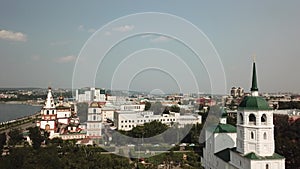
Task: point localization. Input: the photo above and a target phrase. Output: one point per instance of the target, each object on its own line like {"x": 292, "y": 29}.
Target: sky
{"x": 156, "y": 46}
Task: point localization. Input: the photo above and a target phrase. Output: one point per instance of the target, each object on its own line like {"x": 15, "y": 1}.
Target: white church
{"x": 251, "y": 144}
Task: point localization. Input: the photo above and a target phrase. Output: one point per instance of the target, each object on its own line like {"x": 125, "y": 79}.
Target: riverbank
{"x": 29, "y": 102}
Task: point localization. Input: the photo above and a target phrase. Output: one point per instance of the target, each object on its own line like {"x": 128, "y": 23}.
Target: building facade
{"x": 59, "y": 119}
{"x": 126, "y": 120}
{"x": 251, "y": 144}
{"x": 94, "y": 120}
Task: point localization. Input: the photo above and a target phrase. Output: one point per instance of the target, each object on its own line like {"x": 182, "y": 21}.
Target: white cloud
{"x": 160, "y": 39}
{"x": 13, "y": 36}
{"x": 84, "y": 29}
{"x": 124, "y": 28}
{"x": 66, "y": 59}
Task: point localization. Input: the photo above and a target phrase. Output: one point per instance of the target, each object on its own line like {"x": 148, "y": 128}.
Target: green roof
{"x": 225, "y": 128}
{"x": 254, "y": 103}
{"x": 253, "y": 156}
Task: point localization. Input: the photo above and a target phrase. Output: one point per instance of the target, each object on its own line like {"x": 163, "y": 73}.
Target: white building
{"x": 248, "y": 146}
{"x": 132, "y": 107}
{"x": 126, "y": 120}
{"x": 93, "y": 94}
{"x": 59, "y": 119}
{"x": 94, "y": 120}
{"x": 108, "y": 113}
{"x": 63, "y": 111}
{"x": 48, "y": 113}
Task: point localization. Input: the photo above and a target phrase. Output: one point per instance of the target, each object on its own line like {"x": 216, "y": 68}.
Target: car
{"x": 130, "y": 145}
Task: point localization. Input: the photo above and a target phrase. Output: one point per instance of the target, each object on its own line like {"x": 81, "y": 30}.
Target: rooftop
{"x": 254, "y": 103}
{"x": 253, "y": 156}
{"x": 225, "y": 128}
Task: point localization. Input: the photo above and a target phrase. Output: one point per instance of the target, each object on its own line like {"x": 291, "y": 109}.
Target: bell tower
{"x": 255, "y": 129}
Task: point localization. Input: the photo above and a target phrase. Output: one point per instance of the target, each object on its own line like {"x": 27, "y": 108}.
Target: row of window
{"x": 252, "y": 119}
{"x": 264, "y": 135}
{"x": 128, "y": 126}
{"x": 149, "y": 120}
{"x": 50, "y": 112}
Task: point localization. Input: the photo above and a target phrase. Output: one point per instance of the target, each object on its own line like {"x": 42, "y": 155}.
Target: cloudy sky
{"x": 169, "y": 46}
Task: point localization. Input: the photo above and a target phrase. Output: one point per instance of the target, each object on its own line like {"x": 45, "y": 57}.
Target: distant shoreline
{"x": 21, "y": 102}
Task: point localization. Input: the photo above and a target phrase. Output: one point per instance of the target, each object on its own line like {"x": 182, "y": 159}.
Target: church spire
{"x": 254, "y": 89}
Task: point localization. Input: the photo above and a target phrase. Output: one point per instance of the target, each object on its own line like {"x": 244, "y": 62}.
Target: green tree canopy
{"x": 15, "y": 137}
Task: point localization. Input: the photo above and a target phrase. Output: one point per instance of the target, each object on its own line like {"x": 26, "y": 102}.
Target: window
{"x": 267, "y": 166}
{"x": 241, "y": 118}
{"x": 252, "y": 135}
{"x": 94, "y": 110}
{"x": 264, "y": 118}
{"x": 252, "y": 119}
{"x": 94, "y": 118}
{"x": 47, "y": 112}
{"x": 129, "y": 121}
{"x": 265, "y": 135}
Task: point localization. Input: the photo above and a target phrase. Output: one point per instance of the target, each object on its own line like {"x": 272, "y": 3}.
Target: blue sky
{"x": 40, "y": 42}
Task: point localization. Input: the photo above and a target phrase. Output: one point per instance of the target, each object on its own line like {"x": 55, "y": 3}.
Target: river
{"x": 14, "y": 111}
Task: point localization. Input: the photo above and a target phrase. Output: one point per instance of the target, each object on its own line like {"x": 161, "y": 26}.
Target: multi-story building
{"x": 93, "y": 94}
{"x": 126, "y": 120}
{"x": 94, "y": 120}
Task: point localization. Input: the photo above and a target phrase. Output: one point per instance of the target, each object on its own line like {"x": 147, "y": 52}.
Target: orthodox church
{"x": 249, "y": 145}
{"x": 59, "y": 119}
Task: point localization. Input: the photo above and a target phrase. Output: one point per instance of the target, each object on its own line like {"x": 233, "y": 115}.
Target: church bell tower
{"x": 255, "y": 129}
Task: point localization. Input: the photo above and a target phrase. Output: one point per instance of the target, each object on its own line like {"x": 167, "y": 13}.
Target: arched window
{"x": 252, "y": 119}
{"x": 267, "y": 166}
{"x": 252, "y": 135}
{"x": 263, "y": 118}
{"x": 265, "y": 135}
{"x": 241, "y": 118}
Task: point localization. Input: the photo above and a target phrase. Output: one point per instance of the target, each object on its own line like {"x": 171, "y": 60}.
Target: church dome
{"x": 254, "y": 103}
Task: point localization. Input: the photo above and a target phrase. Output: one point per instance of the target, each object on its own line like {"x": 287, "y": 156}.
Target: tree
{"x": 36, "y": 137}
{"x": 2, "y": 140}
{"x": 175, "y": 108}
{"x": 15, "y": 137}
{"x": 147, "y": 106}
{"x": 157, "y": 108}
